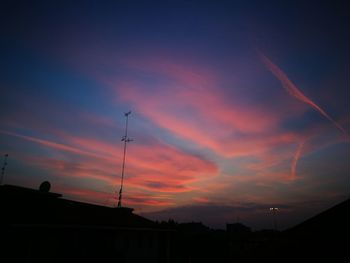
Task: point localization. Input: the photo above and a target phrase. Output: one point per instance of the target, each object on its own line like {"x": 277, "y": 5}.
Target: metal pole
{"x": 3, "y": 168}
{"x": 126, "y": 140}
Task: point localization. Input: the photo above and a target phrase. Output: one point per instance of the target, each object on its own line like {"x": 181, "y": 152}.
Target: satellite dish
{"x": 45, "y": 187}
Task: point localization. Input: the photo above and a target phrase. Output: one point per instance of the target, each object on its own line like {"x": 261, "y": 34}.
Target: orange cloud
{"x": 137, "y": 200}
{"x": 156, "y": 167}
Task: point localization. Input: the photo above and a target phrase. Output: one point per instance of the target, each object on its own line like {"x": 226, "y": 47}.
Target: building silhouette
{"x": 40, "y": 226}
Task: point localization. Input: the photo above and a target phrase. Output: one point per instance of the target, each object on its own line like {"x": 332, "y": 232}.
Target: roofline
{"x": 90, "y": 227}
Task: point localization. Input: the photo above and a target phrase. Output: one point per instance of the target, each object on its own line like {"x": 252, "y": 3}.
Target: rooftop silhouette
{"x": 42, "y": 226}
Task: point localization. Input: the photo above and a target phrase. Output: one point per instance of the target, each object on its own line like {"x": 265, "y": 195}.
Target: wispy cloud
{"x": 47, "y": 143}
{"x": 194, "y": 107}
{"x": 295, "y": 91}
{"x": 154, "y": 166}
{"x": 296, "y": 159}
{"x": 188, "y": 105}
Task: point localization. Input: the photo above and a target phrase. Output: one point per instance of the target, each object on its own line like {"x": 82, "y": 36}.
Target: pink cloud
{"x": 147, "y": 200}
{"x": 192, "y": 106}
{"x": 157, "y": 167}
{"x": 158, "y": 162}
{"x": 295, "y": 160}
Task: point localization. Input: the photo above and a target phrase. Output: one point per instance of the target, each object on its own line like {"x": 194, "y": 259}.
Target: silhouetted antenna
{"x": 125, "y": 139}
{"x": 3, "y": 168}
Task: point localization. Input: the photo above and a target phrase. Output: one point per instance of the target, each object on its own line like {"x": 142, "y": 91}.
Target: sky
{"x": 237, "y": 106}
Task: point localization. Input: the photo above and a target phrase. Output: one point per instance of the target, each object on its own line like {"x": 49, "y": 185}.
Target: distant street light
{"x": 274, "y": 211}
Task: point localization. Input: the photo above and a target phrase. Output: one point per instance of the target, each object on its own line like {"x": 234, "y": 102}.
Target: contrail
{"x": 294, "y": 91}
{"x": 296, "y": 159}
{"x": 51, "y": 144}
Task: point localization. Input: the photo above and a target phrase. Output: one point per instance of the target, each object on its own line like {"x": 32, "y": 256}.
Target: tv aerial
{"x": 126, "y": 140}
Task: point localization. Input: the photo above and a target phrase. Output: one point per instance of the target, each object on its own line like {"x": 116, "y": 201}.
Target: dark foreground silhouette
{"x": 40, "y": 226}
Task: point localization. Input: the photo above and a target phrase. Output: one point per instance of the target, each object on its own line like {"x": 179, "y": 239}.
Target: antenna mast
{"x": 3, "y": 168}
{"x": 125, "y": 139}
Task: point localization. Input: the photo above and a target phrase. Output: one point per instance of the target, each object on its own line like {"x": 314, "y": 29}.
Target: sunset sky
{"x": 237, "y": 106}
